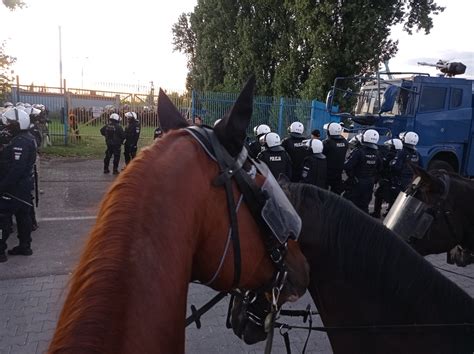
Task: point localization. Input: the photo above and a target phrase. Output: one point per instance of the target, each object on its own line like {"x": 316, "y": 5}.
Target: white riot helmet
{"x": 131, "y": 115}
{"x": 315, "y": 145}
{"x": 216, "y": 122}
{"x": 272, "y": 139}
{"x": 334, "y": 129}
{"x": 7, "y": 105}
{"x": 20, "y": 104}
{"x": 39, "y": 106}
{"x": 32, "y": 111}
{"x": 16, "y": 115}
{"x": 395, "y": 143}
{"x": 261, "y": 129}
{"x": 115, "y": 116}
{"x": 296, "y": 127}
{"x": 411, "y": 138}
{"x": 370, "y": 136}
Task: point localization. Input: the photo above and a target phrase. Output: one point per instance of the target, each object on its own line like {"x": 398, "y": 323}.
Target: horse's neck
{"x": 129, "y": 293}
{"x": 343, "y": 303}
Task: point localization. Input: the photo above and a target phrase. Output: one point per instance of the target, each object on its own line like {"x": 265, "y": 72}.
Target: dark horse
{"x": 362, "y": 274}
{"x": 162, "y": 224}
{"x": 446, "y": 198}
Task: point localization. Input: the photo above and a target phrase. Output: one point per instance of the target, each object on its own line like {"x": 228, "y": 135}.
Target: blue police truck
{"x": 439, "y": 109}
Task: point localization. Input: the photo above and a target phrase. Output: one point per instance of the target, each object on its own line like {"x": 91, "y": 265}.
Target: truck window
{"x": 456, "y": 98}
{"x": 432, "y": 98}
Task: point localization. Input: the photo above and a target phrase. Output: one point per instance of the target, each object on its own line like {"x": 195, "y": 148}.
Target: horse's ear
{"x": 232, "y": 129}
{"x": 419, "y": 171}
{"x": 168, "y": 114}
{"x": 431, "y": 183}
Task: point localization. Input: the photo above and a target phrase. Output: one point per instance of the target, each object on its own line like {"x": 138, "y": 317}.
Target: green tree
{"x": 6, "y": 74}
{"x": 352, "y": 37}
{"x": 294, "y": 47}
{"x": 13, "y": 4}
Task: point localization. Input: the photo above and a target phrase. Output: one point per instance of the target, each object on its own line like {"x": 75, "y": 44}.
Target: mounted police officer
{"x": 255, "y": 146}
{"x": 275, "y": 156}
{"x": 362, "y": 167}
{"x": 132, "y": 134}
{"x": 315, "y": 165}
{"x": 296, "y": 147}
{"x": 400, "y": 164}
{"x": 16, "y": 182}
{"x": 335, "y": 149}
{"x": 388, "y": 185}
{"x": 114, "y": 136}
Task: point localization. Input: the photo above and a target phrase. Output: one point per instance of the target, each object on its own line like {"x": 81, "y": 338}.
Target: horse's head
{"x": 431, "y": 214}
{"x": 237, "y": 248}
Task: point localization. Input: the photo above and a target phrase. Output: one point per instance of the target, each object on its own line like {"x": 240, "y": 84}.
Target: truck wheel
{"x": 440, "y": 165}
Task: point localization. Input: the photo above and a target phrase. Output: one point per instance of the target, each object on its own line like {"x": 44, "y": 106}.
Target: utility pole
{"x": 60, "y": 63}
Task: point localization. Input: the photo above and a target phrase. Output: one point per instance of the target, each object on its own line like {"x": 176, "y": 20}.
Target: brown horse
{"x": 445, "y": 198}
{"x": 373, "y": 292}
{"x": 163, "y": 224}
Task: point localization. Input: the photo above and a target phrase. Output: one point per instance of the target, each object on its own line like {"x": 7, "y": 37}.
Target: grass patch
{"x": 88, "y": 144}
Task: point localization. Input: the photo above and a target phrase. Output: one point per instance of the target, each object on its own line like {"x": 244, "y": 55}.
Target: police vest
{"x": 335, "y": 150}
{"x": 277, "y": 160}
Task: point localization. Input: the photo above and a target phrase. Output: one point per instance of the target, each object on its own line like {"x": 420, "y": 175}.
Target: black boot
{"x": 116, "y": 171}
{"x": 21, "y": 251}
{"x": 3, "y": 257}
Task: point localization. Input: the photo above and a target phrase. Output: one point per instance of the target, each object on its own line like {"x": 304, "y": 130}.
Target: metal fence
{"x": 76, "y": 115}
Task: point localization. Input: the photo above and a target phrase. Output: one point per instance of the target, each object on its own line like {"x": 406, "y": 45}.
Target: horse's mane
{"x": 365, "y": 251}
{"x": 106, "y": 258}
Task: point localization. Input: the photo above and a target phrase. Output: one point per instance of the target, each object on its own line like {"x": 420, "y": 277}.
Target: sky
{"x": 123, "y": 45}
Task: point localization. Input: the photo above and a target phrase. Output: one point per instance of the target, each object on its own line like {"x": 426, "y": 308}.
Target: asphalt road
{"x": 32, "y": 288}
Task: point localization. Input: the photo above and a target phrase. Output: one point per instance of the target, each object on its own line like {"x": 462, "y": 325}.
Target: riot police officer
{"x": 296, "y": 147}
{"x": 388, "y": 185}
{"x": 315, "y": 165}
{"x": 400, "y": 164}
{"x": 255, "y": 146}
{"x": 335, "y": 149}
{"x": 132, "y": 134}
{"x": 362, "y": 167}
{"x": 16, "y": 182}
{"x": 114, "y": 136}
{"x": 275, "y": 156}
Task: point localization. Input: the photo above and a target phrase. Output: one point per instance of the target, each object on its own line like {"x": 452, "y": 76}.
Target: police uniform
{"x": 400, "y": 167}
{"x": 132, "y": 134}
{"x": 114, "y": 136}
{"x": 388, "y": 187}
{"x": 16, "y": 184}
{"x": 335, "y": 149}
{"x": 315, "y": 170}
{"x": 255, "y": 148}
{"x": 297, "y": 149}
{"x": 362, "y": 167}
{"x": 277, "y": 160}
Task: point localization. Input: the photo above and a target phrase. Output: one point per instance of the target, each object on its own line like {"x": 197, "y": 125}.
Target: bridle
{"x": 439, "y": 208}
{"x": 411, "y": 217}
{"x": 256, "y": 200}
